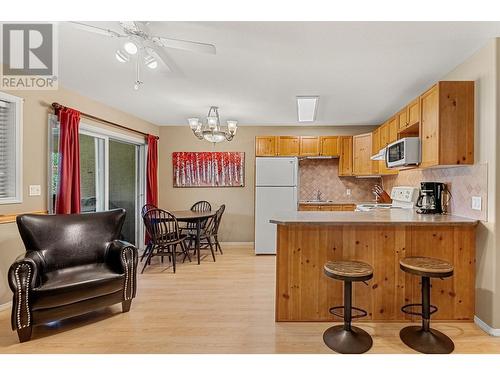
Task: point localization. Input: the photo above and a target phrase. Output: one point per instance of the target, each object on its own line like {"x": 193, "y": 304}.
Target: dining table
{"x": 196, "y": 217}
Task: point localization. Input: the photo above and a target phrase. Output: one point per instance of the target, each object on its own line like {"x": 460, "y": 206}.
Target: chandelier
{"x": 211, "y": 130}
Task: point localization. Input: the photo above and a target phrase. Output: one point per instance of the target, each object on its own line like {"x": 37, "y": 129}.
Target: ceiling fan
{"x": 149, "y": 48}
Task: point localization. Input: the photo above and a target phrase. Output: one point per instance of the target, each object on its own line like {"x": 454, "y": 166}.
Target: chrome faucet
{"x": 318, "y": 195}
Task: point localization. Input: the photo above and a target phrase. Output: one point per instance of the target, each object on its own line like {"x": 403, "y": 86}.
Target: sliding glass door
{"x": 112, "y": 174}
{"x": 124, "y": 183}
{"x": 92, "y": 178}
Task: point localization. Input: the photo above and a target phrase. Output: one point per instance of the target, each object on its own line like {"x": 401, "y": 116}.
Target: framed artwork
{"x": 208, "y": 169}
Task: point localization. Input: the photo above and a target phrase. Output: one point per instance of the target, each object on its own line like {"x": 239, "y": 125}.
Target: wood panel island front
{"x": 307, "y": 240}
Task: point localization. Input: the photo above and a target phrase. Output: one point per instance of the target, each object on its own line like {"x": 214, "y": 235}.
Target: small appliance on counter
{"x": 431, "y": 200}
{"x": 403, "y": 197}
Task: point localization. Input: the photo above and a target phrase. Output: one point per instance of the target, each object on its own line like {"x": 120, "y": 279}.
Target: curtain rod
{"x": 58, "y": 106}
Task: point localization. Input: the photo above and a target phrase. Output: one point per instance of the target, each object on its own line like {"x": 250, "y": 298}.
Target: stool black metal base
{"x": 354, "y": 341}
{"x": 428, "y": 342}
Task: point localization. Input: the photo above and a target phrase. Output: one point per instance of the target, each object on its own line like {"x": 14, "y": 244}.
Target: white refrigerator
{"x": 276, "y": 181}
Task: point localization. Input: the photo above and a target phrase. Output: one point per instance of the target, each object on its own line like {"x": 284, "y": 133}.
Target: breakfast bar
{"x": 307, "y": 240}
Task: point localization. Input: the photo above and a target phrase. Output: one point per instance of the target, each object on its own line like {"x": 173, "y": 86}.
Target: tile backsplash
{"x": 322, "y": 175}
{"x": 463, "y": 182}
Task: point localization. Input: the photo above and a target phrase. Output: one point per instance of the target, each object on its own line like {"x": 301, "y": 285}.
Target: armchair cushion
{"x": 74, "y": 284}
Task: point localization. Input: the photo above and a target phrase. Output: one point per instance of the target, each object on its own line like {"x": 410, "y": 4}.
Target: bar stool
{"x": 424, "y": 339}
{"x": 346, "y": 338}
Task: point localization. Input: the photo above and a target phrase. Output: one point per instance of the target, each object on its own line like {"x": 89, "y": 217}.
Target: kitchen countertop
{"x": 374, "y": 217}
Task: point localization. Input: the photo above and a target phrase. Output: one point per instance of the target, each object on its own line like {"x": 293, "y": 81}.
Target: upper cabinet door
{"x": 393, "y": 130}
{"x": 362, "y": 149}
{"x": 309, "y": 146}
{"x": 384, "y": 134}
{"x": 288, "y": 146}
{"x": 265, "y": 146}
{"x": 329, "y": 146}
{"x": 429, "y": 127}
{"x": 375, "y": 149}
{"x": 402, "y": 118}
{"x": 413, "y": 112}
{"x": 345, "y": 161}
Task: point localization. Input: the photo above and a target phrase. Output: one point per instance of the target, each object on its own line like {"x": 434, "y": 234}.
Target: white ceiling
{"x": 363, "y": 72}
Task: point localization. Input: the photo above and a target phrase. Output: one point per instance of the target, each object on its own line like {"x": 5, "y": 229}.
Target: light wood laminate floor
{"x": 222, "y": 307}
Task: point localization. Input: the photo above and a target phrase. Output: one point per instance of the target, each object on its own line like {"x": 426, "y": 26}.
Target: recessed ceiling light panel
{"x": 307, "y": 107}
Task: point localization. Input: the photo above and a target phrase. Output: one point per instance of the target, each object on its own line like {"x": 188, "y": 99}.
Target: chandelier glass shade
{"x": 211, "y": 129}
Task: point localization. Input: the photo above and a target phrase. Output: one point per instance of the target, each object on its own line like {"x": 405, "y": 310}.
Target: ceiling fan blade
{"x": 142, "y": 26}
{"x": 185, "y": 45}
{"x": 162, "y": 55}
{"x": 97, "y": 30}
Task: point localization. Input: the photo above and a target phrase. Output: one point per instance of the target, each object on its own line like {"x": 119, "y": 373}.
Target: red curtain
{"x": 152, "y": 171}
{"x": 68, "y": 195}
{"x": 152, "y": 174}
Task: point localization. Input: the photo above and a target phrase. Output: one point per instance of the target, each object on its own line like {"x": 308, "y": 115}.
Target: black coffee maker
{"x": 430, "y": 200}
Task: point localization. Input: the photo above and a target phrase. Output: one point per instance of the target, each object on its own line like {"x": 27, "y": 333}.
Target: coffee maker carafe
{"x": 430, "y": 200}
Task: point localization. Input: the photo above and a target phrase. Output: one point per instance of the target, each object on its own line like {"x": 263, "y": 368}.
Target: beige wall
{"x": 483, "y": 68}
{"x": 238, "y": 223}
{"x": 36, "y": 109}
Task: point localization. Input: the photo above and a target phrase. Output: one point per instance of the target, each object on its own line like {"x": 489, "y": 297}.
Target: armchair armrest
{"x": 123, "y": 257}
{"x": 23, "y": 276}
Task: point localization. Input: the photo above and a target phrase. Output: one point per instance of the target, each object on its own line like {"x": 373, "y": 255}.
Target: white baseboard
{"x": 237, "y": 243}
{"x": 486, "y": 328}
{"x": 6, "y": 306}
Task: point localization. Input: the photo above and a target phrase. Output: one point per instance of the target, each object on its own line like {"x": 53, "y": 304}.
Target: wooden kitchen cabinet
{"x": 393, "y": 130}
{"x": 447, "y": 124}
{"x": 346, "y": 154}
{"x": 266, "y": 146}
{"x": 384, "y": 134}
{"x": 409, "y": 116}
{"x": 361, "y": 153}
{"x": 348, "y": 207}
{"x": 402, "y": 118}
{"x": 375, "y": 149}
{"x": 309, "y": 146}
{"x": 331, "y": 207}
{"x": 413, "y": 112}
{"x": 329, "y": 146}
{"x": 288, "y": 146}
{"x": 309, "y": 207}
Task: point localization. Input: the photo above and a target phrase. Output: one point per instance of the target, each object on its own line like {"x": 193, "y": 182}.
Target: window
{"x": 10, "y": 148}
{"x": 112, "y": 174}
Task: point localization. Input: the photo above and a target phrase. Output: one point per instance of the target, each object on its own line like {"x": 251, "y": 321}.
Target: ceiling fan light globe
{"x": 122, "y": 56}
{"x": 130, "y": 47}
{"x": 152, "y": 64}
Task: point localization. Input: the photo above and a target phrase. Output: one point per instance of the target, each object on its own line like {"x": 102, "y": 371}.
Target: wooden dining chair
{"x": 144, "y": 209}
{"x": 218, "y": 217}
{"x": 200, "y": 206}
{"x": 208, "y": 236}
{"x": 165, "y": 236}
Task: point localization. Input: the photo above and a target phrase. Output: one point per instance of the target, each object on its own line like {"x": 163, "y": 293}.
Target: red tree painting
{"x": 208, "y": 169}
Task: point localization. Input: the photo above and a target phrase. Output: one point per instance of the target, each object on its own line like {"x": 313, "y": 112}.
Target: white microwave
{"x": 403, "y": 152}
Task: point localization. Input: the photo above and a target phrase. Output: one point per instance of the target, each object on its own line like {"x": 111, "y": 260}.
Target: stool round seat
{"x": 348, "y": 270}
{"x": 426, "y": 267}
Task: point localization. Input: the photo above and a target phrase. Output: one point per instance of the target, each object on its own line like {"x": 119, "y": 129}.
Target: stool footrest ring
{"x": 362, "y": 313}
{"x": 407, "y": 309}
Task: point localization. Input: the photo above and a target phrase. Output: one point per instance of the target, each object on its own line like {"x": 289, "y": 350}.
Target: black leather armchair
{"x": 73, "y": 264}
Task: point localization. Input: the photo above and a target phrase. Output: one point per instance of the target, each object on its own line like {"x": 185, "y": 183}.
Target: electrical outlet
{"x": 476, "y": 203}
{"x": 35, "y": 190}
{"x": 348, "y": 192}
